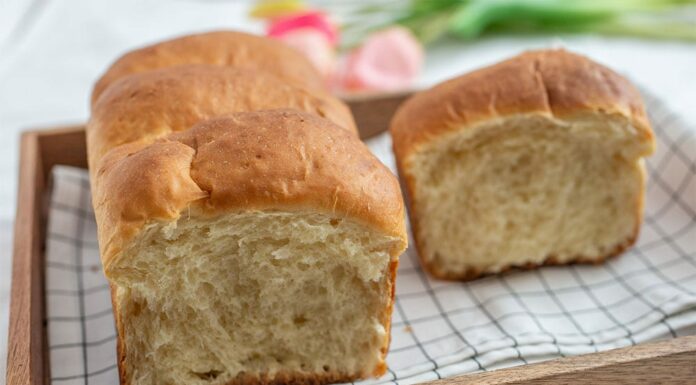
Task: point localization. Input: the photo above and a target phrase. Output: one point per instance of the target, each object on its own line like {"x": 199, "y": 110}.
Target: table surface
{"x": 52, "y": 52}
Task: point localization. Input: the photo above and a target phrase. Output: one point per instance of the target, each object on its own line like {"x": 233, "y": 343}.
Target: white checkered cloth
{"x": 440, "y": 329}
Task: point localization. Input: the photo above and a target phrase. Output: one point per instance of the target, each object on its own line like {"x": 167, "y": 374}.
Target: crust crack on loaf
{"x": 537, "y": 159}
{"x": 249, "y": 236}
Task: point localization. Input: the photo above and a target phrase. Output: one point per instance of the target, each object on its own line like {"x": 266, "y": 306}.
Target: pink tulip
{"x": 308, "y": 19}
{"x": 315, "y": 46}
{"x": 390, "y": 59}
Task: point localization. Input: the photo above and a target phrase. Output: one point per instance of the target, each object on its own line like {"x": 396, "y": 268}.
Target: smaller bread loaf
{"x": 148, "y": 105}
{"x": 258, "y": 248}
{"x": 534, "y": 160}
{"x": 222, "y": 48}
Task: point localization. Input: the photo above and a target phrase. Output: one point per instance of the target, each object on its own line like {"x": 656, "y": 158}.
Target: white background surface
{"x": 52, "y": 51}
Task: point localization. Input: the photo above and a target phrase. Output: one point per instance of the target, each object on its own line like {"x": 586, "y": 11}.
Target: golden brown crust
{"x": 149, "y": 105}
{"x": 387, "y": 317}
{"x": 267, "y": 160}
{"x": 555, "y": 83}
{"x": 222, "y": 48}
{"x": 120, "y": 344}
{"x": 294, "y": 378}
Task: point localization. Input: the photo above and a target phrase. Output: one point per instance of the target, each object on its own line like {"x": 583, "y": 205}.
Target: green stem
{"x": 474, "y": 17}
{"x": 651, "y": 30}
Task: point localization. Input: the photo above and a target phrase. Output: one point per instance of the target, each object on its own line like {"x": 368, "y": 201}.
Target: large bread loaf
{"x": 249, "y": 236}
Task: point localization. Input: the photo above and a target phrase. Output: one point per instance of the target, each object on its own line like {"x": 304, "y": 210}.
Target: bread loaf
{"x": 148, "y": 105}
{"x": 534, "y": 160}
{"x": 222, "y": 48}
{"x": 255, "y": 247}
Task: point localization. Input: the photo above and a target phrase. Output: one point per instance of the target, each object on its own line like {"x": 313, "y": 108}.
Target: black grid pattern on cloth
{"x": 440, "y": 328}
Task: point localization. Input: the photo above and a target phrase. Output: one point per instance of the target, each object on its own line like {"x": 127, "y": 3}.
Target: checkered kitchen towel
{"x": 440, "y": 329}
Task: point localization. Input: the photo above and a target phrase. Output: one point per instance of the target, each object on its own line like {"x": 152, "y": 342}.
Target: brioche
{"x": 260, "y": 247}
{"x": 248, "y": 235}
{"x": 537, "y": 159}
{"x": 149, "y": 105}
{"x": 222, "y": 48}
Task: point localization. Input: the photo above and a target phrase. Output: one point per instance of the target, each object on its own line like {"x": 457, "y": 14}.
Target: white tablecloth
{"x": 52, "y": 51}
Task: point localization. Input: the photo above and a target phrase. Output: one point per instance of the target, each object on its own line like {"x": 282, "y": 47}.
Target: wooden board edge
{"x": 65, "y": 146}
{"x": 26, "y": 335}
{"x": 373, "y": 111}
{"x": 671, "y": 361}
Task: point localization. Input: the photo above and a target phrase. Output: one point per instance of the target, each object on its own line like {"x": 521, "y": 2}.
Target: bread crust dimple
{"x": 221, "y": 48}
{"x": 145, "y": 106}
{"x": 246, "y": 161}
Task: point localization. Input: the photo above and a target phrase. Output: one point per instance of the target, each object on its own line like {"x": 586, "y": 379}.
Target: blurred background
{"x": 51, "y": 53}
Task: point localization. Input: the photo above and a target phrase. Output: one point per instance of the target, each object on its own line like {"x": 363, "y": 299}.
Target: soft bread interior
{"x": 240, "y": 296}
{"x": 524, "y": 189}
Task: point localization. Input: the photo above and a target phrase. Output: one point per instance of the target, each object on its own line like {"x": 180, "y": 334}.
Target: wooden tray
{"x": 666, "y": 362}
